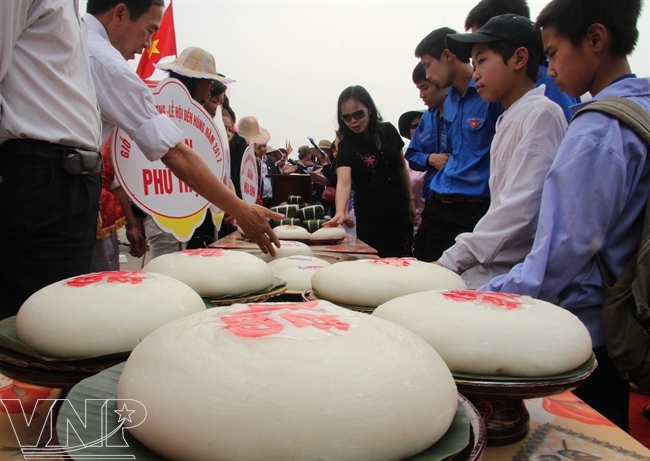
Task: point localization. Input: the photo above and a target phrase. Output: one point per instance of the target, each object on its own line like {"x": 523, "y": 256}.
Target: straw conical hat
{"x": 196, "y": 63}
{"x": 251, "y": 131}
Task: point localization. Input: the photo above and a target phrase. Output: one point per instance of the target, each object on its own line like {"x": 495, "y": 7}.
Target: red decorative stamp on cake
{"x": 394, "y": 262}
{"x": 306, "y": 320}
{"x": 126, "y": 277}
{"x": 501, "y": 300}
{"x": 205, "y": 252}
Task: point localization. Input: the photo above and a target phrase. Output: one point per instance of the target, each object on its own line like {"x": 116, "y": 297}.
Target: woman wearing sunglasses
{"x": 370, "y": 157}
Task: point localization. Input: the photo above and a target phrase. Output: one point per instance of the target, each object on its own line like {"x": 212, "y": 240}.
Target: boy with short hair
{"x": 427, "y": 151}
{"x": 505, "y": 53}
{"x": 596, "y": 190}
{"x": 486, "y": 10}
{"x": 458, "y": 192}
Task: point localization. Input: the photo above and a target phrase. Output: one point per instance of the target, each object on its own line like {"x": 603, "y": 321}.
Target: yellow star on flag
{"x": 153, "y": 49}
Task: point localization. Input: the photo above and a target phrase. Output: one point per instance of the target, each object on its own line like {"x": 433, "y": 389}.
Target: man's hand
{"x": 438, "y": 160}
{"x": 288, "y": 169}
{"x": 253, "y": 221}
{"x": 137, "y": 241}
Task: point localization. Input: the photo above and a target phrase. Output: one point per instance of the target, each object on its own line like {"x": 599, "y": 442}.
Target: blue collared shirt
{"x": 470, "y": 129}
{"x": 430, "y": 137}
{"x": 593, "y": 201}
{"x": 553, "y": 93}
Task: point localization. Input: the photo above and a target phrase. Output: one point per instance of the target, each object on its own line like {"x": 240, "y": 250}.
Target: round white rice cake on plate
{"x": 101, "y": 313}
{"x": 281, "y": 264}
{"x": 371, "y": 282}
{"x": 288, "y": 248}
{"x": 493, "y": 333}
{"x": 215, "y": 273}
{"x": 329, "y": 233}
{"x": 289, "y": 232}
{"x": 279, "y": 381}
{"x": 298, "y": 278}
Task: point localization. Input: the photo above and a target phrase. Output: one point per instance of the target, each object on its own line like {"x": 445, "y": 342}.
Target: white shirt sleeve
{"x": 522, "y": 156}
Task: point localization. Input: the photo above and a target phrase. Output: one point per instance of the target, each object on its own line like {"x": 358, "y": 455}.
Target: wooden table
{"x": 563, "y": 428}
{"x": 349, "y": 244}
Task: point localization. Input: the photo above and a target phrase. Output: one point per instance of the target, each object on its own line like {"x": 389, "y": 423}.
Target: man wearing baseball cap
{"x": 505, "y": 55}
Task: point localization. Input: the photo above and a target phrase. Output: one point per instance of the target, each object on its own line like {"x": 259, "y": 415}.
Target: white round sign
{"x": 249, "y": 176}
{"x": 151, "y": 185}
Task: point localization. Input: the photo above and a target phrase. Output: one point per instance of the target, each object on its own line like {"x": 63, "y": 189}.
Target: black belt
{"x": 73, "y": 159}
{"x": 457, "y": 198}
{"x": 36, "y": 148}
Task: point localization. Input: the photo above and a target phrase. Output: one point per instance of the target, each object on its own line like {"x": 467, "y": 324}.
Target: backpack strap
{"x": 637, "y": 119}
{"x": 628, "y": 112}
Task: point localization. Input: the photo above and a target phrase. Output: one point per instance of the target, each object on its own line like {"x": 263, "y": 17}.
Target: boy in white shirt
{"x": 506, "y": 53}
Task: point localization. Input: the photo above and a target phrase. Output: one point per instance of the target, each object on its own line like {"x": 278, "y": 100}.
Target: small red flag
{"x": 163, "y": 43}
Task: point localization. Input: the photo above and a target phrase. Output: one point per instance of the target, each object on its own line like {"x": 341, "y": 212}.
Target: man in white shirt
{"x": 117, "y": 31}
{"x": 49, "y": 123}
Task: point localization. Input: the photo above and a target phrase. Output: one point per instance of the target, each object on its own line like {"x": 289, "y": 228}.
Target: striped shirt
{"x": 125, "y": 100}
{"x": 46, "y": 92}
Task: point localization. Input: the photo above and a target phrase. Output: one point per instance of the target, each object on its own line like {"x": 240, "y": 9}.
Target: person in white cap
{"x": 117, "y": 31}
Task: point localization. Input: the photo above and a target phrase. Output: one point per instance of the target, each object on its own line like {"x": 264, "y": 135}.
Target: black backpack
{"x": 626, "y": 310}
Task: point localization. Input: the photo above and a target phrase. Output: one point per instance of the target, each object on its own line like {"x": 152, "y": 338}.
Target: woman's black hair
{"x": 361, "y": 95}
{"x": 217, "y": 88}
{"x": 188, "y": 82}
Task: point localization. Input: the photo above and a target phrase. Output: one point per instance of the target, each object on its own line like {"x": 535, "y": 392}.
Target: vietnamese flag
{"x": 163, "y": 43}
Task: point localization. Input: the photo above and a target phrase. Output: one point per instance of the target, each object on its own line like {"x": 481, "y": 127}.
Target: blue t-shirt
{"x": 430, "y": 137}
{"x": 470, "y": 128}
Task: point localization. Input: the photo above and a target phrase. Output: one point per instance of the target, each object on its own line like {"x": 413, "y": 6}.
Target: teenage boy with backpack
{"x": 596, "y": 191}
{"x": 506, "y": 53}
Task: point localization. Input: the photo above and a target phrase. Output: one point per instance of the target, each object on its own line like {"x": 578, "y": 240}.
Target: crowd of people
{"x": 496, "y": 184}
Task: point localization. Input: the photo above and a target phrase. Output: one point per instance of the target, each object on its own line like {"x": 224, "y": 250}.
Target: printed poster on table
{"x": 173, "y": 205}
{"x": 249, "y": 176}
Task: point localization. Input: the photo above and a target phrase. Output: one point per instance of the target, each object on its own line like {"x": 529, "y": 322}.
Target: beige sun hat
{"x": 251, "y": 131}
{"x": 194, "y": 62}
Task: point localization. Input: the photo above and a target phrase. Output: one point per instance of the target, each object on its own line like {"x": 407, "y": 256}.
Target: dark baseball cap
{"x": 512, "y": 28}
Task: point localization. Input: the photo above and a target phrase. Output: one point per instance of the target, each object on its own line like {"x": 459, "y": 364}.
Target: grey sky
{"x": 292, "y": 59}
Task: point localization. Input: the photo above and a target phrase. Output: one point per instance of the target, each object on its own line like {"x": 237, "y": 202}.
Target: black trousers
{"x": 391, "y": 236}
{"x": 441, "y": 223}
{"x": 606, "y": 392}
{"x": 48, "y": 221}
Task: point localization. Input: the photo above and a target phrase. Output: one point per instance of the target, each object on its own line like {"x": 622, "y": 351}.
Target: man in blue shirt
{"x": 595, "y": 193}
{"x": 458, "y": 194}
{"x": 486, "y": 10}
{"x": 427, "y": 151}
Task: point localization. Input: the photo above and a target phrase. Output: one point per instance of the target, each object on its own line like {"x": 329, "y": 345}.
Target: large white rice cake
{"x": 288, "y": 248}
{"x": 262, "y": 382}
{"x": 281, "y": 264}
{"x": 493, "y": 333}
{"x": 371, "y": 282}
{"x": 101, "y": 313}
{"x": 298, "y": 278}
{"x": 214, "y": 273}
{"x": 325, "y": 233}
{"x": 290, "y": 232}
